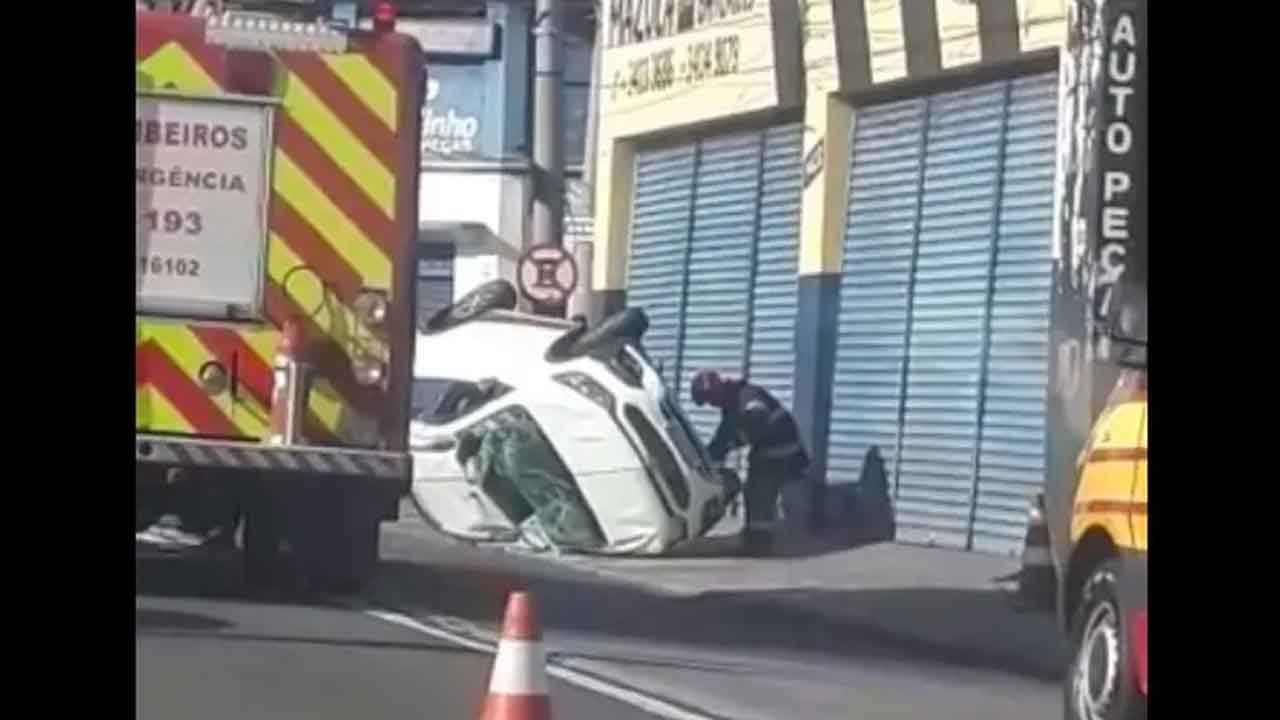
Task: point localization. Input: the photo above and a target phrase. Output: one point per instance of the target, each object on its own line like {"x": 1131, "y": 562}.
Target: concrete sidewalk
{"x": 949, "y": 605}
{"x": 952, "y": 605}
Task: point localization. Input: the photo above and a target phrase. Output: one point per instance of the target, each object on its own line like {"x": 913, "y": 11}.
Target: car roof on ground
{"x": 509, "y": 346}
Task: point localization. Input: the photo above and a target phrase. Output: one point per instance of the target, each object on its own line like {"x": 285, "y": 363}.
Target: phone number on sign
{"x": 690, "y": 65}
{"x": 173, "y": 222}
{"x": 169, "y": 266}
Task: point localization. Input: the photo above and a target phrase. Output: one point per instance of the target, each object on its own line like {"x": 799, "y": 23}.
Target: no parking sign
{"x": 547, "y": 275}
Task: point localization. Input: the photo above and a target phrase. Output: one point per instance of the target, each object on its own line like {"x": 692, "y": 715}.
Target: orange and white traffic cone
{"x": 518, "y": 685}
{"x": 1036, "y": 583}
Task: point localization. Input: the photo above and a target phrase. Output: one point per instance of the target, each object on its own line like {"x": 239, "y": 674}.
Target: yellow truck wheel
{"x": 1101, "y": 679}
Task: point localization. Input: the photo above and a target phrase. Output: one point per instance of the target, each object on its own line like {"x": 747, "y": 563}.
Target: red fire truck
{"x": 277, "y": 163}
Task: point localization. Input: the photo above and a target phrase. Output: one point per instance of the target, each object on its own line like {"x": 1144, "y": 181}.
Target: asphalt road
{"x": 206, "y": 648}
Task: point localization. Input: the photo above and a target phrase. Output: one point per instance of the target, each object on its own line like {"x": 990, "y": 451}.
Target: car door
{"x": 445, "y": 492}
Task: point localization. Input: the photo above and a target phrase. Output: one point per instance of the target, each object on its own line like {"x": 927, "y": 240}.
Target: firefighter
{"x": 749, "y": 415}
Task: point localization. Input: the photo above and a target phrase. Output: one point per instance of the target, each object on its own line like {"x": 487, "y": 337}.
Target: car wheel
{"x": 1101, "y": 684}
{"x": 493, "y": 295}
{"x": 630, "y": 324}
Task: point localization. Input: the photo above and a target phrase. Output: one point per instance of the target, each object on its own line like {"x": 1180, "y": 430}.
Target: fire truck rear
{"x": 276, "y": 177}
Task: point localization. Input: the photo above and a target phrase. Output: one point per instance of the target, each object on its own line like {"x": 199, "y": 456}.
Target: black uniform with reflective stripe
{"x": 754, "y": 417}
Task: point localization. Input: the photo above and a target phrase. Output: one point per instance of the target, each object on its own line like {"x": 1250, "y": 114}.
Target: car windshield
{"x": 520, "y": 470}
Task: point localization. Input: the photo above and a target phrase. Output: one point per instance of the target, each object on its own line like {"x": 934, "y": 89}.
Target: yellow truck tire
{"x": 1101, "y": 679}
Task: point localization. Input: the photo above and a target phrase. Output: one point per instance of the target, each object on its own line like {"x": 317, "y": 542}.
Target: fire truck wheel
{"x": 493, "y": 295}
{"x": 1101, "y": 684}
{"x": 339, "y": 550}
{"x": 261, "y": 545}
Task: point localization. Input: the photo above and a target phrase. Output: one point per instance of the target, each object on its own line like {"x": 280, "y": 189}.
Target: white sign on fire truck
{"x": 202, "y": 187}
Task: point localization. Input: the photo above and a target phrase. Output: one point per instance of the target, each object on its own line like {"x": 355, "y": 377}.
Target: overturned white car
{"x": 541, "y": 432}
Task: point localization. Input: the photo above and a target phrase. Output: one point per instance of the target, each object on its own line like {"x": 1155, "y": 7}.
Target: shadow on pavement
{"x": 473, "y": 585}
{"x": 214, "y": 574}
{"x": 750, "y": 620}
{"x": 152, "y": 619}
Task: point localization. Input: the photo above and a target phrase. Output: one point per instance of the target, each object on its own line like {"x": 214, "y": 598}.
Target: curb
{"x": 964, "y": 654}
{"x": 1045, "y": 668}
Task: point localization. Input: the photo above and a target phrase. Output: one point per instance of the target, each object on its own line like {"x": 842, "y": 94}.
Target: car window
{"x": 521, "y": 471}
{"x": 439, "y": 401}
{"x": 686, "y": 436}
{"x": 661, "y": 455}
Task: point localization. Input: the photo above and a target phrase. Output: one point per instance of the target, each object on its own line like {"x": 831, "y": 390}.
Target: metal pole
{"x": 548, "y": 145}
{"x": 593, "y": 113}
{"x": 582, "y": 302}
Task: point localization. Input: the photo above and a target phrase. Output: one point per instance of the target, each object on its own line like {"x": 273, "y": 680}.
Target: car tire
{"x": 630, "y": 324}
{"x": 493, "y": 295}
{"x": 1101, "y": 683}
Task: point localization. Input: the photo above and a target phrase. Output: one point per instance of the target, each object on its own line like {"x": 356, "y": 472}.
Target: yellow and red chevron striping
{"x": 312, "y": 160}
{"x": 154, "y": 367}
{"x": 339, "y": 209}
{"x": 344, "y": 102}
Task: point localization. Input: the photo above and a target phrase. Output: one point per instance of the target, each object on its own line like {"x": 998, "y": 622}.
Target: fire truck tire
{"x": 261, "y": 542}
{"x": 338, "y": 549}
{"x": 493, "y": 295}
{"x": 1101, "y": 683}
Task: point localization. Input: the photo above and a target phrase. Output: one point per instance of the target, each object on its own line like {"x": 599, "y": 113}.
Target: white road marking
{"x": 587, "y": 681}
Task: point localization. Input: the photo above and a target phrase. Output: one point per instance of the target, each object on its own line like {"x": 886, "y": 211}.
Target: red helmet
{"x": 706, "y": 386}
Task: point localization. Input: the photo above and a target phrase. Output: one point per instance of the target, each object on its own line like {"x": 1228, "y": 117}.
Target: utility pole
{"x": 582, "y": 302}
{"x": 548, "y": 143}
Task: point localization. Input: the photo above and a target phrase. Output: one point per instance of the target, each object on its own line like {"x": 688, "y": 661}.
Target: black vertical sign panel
{"x": 1121, "y": 219}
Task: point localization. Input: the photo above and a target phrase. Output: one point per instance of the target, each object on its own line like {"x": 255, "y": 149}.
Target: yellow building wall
{"x": 811, "y": 55}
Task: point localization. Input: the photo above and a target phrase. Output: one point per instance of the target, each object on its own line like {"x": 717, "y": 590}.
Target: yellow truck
{"x": 1103, "y": 591}
{"x": 1095, "y": 498}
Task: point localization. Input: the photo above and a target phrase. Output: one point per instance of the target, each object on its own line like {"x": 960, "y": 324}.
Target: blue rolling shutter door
{"x": 725, "y": 198}
{"x": 659, "y": 245}
{"x": 771, "y": 363}
{"x": 1011, "y": 464}
{"x": 702, "y": 213}
{"x": 884, "y": 182}
{"x": 934, "y": 484}
{"x": 946, "y": 285}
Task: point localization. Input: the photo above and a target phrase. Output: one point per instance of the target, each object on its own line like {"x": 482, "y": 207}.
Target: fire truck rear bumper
{"x": 371, "y": 465}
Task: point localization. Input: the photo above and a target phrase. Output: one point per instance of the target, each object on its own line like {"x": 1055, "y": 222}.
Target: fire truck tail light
{"x": 372, "y": 306}
{"x": 368, "y": 370}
